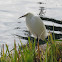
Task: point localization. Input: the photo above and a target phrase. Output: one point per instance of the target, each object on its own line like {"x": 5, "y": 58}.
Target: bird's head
{"x": 28, "y": 14}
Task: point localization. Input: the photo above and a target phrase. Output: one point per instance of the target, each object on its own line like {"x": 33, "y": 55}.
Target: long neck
{"x": 29, "y": 19}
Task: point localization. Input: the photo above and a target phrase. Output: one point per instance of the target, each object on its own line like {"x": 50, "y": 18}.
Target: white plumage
{"x": 35, "y": 26}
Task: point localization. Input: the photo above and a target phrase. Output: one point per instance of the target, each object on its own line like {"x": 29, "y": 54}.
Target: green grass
{"x": 28, "y": 53}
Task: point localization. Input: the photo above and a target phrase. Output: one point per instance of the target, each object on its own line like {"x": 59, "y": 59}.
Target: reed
{"x": 29, "y": 53}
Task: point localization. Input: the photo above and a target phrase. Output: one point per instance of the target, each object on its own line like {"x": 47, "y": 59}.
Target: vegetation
{"x": 29, "y": 53}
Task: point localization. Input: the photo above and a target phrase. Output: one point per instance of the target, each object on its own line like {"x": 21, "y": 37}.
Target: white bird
{"x": 35, "y": 26}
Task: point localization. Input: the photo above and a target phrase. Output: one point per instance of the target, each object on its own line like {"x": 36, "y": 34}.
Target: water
{"x": 10, "y": 10}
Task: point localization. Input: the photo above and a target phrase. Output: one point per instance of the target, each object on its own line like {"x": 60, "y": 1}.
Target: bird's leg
{"x": 38, "y": 48}
{"x": 36, "y": 42}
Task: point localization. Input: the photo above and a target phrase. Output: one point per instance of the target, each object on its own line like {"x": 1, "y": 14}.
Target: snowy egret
{"x": 35, "y": 26}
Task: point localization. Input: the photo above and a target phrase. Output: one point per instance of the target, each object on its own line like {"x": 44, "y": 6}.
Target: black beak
{"x": 22, "y": 16}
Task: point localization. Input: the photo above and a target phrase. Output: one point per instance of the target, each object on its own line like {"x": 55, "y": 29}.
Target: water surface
{"x": 10, "y": 10}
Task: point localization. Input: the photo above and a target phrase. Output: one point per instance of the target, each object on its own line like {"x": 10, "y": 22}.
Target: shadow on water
{"x": 55, "y": 28}
{"x": 52, "y": 20}
{"x": 40, "y": 2}
{"x": 31, "y": 38}
{"x": 57, "y": 36}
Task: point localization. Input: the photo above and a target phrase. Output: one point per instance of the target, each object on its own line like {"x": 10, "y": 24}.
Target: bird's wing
{"x": 37, "y": 22}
